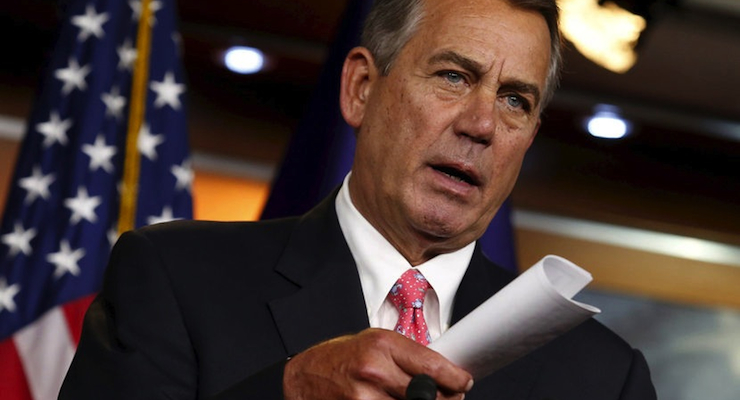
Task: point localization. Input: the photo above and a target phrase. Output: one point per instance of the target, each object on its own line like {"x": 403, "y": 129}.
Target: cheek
{"x": 509, "y": 149}
{"x": 428, "y": 123}
{"x": 407, "y": 133}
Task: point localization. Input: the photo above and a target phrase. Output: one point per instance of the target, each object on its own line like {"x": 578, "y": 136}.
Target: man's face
{"x": 441, "y": 138}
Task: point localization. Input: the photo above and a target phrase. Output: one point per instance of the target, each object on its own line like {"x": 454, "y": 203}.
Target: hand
{"x": 373, "y": 364}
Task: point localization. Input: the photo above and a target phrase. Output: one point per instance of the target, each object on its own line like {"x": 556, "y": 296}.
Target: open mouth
{"x": 457, "y": 174}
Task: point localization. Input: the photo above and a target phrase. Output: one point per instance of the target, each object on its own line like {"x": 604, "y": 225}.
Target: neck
{"x": 415, "y": 245}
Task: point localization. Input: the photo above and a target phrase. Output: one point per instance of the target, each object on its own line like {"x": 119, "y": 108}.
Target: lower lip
{"x": 453, "y": 185}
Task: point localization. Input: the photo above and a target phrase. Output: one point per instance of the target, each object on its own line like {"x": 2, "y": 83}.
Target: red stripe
{"x": 13, "y": 384}
{"x": 74, "y": 312}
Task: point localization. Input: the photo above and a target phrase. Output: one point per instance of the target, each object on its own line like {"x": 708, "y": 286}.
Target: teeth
{"x": 457, "y": 178}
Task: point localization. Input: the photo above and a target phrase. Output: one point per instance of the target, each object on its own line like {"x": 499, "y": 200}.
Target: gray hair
{"x": 391, "y": 24}
{"x": 388, "y": 27}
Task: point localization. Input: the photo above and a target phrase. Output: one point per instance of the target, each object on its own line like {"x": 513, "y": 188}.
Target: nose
{"x": 477, "y": 119}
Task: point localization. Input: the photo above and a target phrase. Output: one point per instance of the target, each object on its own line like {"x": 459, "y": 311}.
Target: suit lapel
{"x": 329, "y": 301}
{"x": 481, "y": 281}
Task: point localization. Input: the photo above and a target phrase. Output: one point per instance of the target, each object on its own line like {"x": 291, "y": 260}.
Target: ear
{"x": 358, "y": 75}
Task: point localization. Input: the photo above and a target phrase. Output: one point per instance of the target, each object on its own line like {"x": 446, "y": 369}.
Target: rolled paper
{"x": 533, "y": 309}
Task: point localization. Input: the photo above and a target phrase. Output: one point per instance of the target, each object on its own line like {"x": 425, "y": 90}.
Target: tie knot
{"x": 408, "y": 291}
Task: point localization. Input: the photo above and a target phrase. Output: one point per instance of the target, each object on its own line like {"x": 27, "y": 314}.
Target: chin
{"x": 442, "y": 225}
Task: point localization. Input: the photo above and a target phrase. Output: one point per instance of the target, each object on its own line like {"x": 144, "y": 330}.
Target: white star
{"x": 126, "y": 56}
{"x": 147, "y": 142}
{"x": 165, "y": 217}
{"x": 154, "y": 6}
{"x": 91, "y": 23}
{"x": 184, "y": 175}
{"x": 168, "y": 91}
{"x": 114, "y": 103}
{"x": 82, "y": 206}
{"x": 100, "y": 154}
{"x": 36, "y": 185}
{"x": 73, "y": 76}
{"x": 19, "y": 240}
{"x": 66, "y": 260}
{"x": 6, "y": 295}
{"x": 54, "y": 130}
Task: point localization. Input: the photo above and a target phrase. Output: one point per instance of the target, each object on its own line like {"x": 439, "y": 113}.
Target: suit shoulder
{"x": 198, "y": 247}
{"x": 590, "y": 354}
{"x": 183, "y": 233}
{"x": 592, "y": 341}
{"x": 592, "y": 362}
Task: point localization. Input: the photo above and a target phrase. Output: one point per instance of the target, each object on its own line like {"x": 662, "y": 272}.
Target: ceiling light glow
{"x": 244, "y": 60}
{"x": 604, "y": 34}
{"x": 607, "y": 124}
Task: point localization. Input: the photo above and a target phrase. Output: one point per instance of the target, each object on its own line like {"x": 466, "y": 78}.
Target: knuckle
{"x": 370, "y": 372}
{"x": 379, "y": 338}
{"x": 433, "y": 368}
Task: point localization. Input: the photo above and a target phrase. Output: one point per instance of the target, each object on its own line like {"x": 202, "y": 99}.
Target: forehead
{"x": 491, "y": 32}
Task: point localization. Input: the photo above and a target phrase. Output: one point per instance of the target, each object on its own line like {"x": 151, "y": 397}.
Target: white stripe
{"x": 46, "y": 350}
{"x": 639, "y": 239}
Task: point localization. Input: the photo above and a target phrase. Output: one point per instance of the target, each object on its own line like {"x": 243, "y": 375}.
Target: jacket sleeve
{"x": 134, "y": 343}
{"x": 638, "y": 385}
{"x": 266, "y": 384}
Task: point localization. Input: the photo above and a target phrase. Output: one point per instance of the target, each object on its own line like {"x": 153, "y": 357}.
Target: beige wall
{"x": 638, "y": 272}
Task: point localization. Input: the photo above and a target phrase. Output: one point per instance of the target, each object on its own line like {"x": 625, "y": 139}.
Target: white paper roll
{"x": 530, "y": 311}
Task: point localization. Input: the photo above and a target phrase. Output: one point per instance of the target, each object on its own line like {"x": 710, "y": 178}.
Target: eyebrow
{"x": 477, "y": 69}
{"x": 459, "y": 59}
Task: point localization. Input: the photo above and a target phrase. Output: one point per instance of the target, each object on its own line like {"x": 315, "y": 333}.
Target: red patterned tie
{"x": 408, "y": 297}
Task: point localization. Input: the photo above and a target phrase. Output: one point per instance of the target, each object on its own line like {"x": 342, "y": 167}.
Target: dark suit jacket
{"x": 189, "y": 309}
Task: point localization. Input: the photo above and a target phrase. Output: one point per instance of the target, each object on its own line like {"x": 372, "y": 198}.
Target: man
{"x": 445, "y": 96}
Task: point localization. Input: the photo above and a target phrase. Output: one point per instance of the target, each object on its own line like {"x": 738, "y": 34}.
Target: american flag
{"x": 105, "y": 150}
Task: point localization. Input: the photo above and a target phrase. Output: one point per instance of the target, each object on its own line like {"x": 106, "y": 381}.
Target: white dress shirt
{"x": 380, "y": 265}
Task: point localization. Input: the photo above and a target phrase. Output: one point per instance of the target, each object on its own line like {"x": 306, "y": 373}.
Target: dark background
{"x": 679, "y": 171}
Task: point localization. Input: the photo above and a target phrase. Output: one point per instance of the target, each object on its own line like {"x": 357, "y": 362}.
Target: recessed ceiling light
{"x": 244, "y": 60}
{"x": 606, "y": 123}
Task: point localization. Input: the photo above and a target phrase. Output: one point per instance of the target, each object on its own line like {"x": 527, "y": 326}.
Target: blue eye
{"x": 453, "y": 77}
{"x": 514, "y": 101}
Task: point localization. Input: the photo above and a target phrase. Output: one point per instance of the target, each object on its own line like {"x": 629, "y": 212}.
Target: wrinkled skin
{"x": 461, "y": 99}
